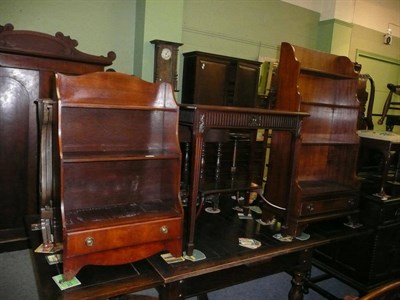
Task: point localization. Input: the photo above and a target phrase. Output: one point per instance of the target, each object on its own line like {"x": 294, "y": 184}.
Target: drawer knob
{"x": 164, "y": 229}
{"x": 310, "y": 208}
{"x": 89, "y": 241}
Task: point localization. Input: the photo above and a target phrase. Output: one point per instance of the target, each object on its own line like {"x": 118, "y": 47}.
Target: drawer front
{"x": 113, "y": 237}
{"x": 391, "y": 213}
{"x": 309, "y": 208}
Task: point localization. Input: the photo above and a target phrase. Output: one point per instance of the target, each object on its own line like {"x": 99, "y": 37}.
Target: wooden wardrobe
{"x": 28, "y": 61}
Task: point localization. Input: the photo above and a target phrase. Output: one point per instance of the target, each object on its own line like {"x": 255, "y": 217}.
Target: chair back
{"x": 365, "y": 119}
{"x": 391, "y": 120}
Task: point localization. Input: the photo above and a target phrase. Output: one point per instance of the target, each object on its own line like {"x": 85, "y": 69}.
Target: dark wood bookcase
{"x": 326, "y": 186}
{"x": 118, "y": 176}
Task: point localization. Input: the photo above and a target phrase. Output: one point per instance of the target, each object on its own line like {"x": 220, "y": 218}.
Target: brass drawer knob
{"x": 164, "y": 229}
{"x": 310, "y": 208}
{"x": 89, "y": 241}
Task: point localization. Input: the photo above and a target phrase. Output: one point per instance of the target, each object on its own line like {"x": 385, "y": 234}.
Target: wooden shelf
{"x": 95, "y": 104}
{"x": 330, "y": 139}
{"x": 333, "y": 105}
{"x": 319, "y": 188}
{"x": 126, "y": 213}
{"x": 321, "y": 73}
{"x": 71, "y": 157}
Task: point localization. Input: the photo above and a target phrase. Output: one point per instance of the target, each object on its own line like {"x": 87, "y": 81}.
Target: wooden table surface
{"x": 226, "y": 262}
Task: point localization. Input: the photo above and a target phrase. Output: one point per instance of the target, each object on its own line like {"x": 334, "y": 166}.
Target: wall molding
{"x": 231, "y": 38}
{"x": 374, "y": 56}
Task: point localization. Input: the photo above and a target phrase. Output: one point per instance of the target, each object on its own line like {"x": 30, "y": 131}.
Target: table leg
{"x": 296, "y": 292}
{"x": 171, "y": 291}
{"x": 299, "y": 275}
{"x": 197, "y": 148}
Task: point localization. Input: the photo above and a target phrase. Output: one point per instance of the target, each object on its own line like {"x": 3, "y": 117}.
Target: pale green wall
{"x": 156, "y": 19}
{"x": 325, "y": 33}
{"x": 341, "y": 38}
{"x": 99, "y": 26}
{"x": 372, "y": 41}
{"x": 241, "y": 28}
{"x": 246, "y": 29}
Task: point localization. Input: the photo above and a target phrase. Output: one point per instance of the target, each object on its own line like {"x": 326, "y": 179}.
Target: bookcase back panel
{"x": 320, "y": 125}
{"x": 313, "y": 163}
{"x": 342, "y": 164}
{"x": 346, "y": 128}
{"x": 117, "y": 130}
{"x": 96, "y": 184}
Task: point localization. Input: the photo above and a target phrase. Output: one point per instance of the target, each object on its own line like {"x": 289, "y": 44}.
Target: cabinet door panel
{"x": 211, "y": 80}
{"x": 246, "y": 85}
{"x": 18, "y": 152}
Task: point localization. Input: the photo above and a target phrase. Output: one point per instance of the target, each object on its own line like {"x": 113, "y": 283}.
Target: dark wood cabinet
{"x": 28, "y": 61}
{"x": 326, "y": 186}
{"x": 117, "y": 169}
{"x": 370, "y": 261}
{"x": 219, "y": 80}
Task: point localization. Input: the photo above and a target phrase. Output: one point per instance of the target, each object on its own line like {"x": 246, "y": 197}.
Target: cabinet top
{"x": 38, "y": 44}
{"x": 218, "y": 56}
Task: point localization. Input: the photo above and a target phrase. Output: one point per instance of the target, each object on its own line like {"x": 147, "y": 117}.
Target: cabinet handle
{"x": 351, "y": 202}
{"x": 310, "y": 208}
{"x": 164, "y": 229}
{"x": 203, "y": 66}
{"x": 89, "y": 241}
{"x": 397, "y": 213}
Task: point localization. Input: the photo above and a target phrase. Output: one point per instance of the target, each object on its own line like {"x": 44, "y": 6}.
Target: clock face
{"x": 166, "y": 53}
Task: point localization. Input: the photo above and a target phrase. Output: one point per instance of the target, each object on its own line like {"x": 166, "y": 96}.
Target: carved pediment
{"x": 39, "y": 44}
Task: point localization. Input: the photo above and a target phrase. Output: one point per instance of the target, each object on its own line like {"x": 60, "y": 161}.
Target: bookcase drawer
{"x": 328, "y": 205}
{"x": 101, "y": 239}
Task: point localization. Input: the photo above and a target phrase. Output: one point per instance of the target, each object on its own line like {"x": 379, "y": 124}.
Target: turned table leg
{"x": 296, "y": 292}
{"x": 299, "y": 275}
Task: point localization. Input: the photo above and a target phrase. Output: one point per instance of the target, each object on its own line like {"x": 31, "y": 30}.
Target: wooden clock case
{"x": 165, "y": 67}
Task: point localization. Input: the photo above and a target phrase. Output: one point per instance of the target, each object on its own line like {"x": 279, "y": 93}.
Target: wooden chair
{"x": 389, "y": 291}
{"x": 391, "y": 120}
{"x": 387, "y": 143}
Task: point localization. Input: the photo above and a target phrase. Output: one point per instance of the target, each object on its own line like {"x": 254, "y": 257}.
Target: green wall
{"x": 246, "y": 29}
{"x": 241, "y": 28}
{"x": 155, "y": 19}
{"x": 99, "y": 26}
